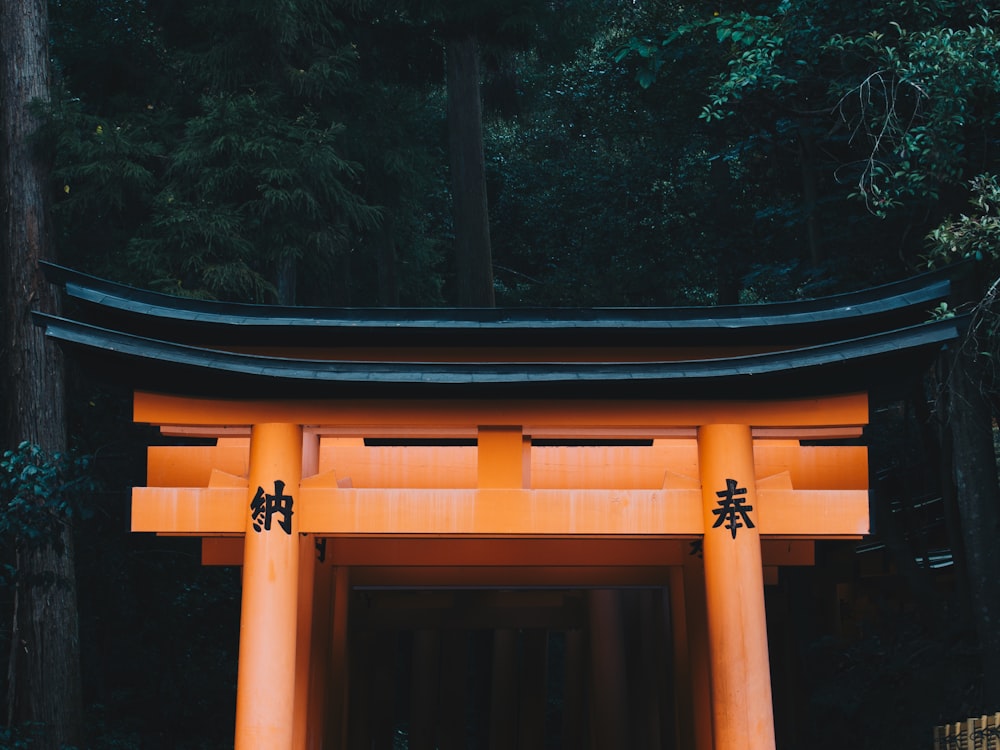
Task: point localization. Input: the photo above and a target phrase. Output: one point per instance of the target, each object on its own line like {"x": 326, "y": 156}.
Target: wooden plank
{"x": 840, "y": 467}
{"x": 793, "y": 513}
{"x": 814, "y": 513}
{"x": 395, "y": 417}
{"x": 594, "y": 467}
{"x": 615, "y": 467}
{"x": 665, "y": 465}
{"x": 500, "y": 512}
{"x": 222, "y": 550}
{"x": 507, "y": 551}
{"x": 420, "y": 466}
{"x": 191, "y": 465}
{"x": 497, "y": 576}
{"x": 523, "y": 560}
{"x": 189, "y": 511}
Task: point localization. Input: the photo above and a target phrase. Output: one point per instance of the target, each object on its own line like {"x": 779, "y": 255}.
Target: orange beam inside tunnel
{"x": 516, "y": 558}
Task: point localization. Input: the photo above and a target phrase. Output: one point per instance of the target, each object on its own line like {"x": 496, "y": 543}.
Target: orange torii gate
{"x": 509, "y": 450}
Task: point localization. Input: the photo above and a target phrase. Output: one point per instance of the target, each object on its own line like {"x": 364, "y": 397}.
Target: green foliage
{"x": 40, "y": 493}
{"x": 975, "y": 235}
{"x": 840, "y": 120}
{"x": 930, "y": 92}
{"x": 242, "y": 147}
{"x": 596, "y": 191}
{"x": 911, "y": 96}
{"x": 105, "y": 181}
{"x": 755, "y": 42}
{"x": 16, "y": 738}
{"x": 247, "y": 185}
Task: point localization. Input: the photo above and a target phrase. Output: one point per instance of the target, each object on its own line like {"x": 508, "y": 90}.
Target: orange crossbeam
{"x": 460, "y": 417}
{"x": 186, "y": 510}
{"x": 322, "y": 510}
{"x": 499, "y": 512}
{"x": 511, "y": 554}
{"x": 192, "y": 465}
{"x": 551, "y": 467}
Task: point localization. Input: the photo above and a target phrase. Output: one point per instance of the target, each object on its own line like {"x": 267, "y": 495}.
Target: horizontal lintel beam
{"x": 552, "y": 467}
{"x": 415, "y": 559}
{"x": 368, "y": 416}
{"x": 323, "y": 511}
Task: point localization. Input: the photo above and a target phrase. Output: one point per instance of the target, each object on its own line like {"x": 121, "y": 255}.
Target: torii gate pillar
{"x": 742, "y": 718}
{"x": 265, "y": 695}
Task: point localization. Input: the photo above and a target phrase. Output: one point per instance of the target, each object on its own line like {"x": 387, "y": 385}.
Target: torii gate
{"x": 700, "y": 414}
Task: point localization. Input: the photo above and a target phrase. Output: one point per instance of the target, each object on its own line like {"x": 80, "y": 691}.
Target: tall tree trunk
{"x": 473, "y": 253}
{"x": 286, "y": 281}
{"x": 44, "y": 670}
{"x": 974, "y": 474}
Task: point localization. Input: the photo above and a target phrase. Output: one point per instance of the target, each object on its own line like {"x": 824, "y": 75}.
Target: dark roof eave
{"x": 852, "y": 365}
{"x": 832, "y": 318}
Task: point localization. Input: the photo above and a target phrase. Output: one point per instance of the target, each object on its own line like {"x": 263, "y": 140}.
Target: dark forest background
{"x": 512, "y": 152}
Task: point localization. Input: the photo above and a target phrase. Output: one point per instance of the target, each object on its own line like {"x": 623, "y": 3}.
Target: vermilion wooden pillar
{"x": 503, "y": 691}
{"x": 503, "y": 461}
{"x": 574, "y": 726}
{"x": 737, "y": 628}
{"x": 425, "y": 682}
{"x": 531, "y": 692}
{"x": 609, "y": 695}
{"x": 696, "y": 628}
{"x": 319, "y": 669}
{"x": 454, "y": 694}
{"x": 307, "y": 577}
{"x": 265, "y": 694}
{"x": 338, "y": 684}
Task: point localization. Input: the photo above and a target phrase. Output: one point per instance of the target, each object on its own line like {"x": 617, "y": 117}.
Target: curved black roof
{"x": 839, "y": 367}
{"x": 852, "y": 342}
{"x": 808, "y": 322}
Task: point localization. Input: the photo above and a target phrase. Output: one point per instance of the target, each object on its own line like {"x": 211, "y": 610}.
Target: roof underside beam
{"x": 461, "y": 417}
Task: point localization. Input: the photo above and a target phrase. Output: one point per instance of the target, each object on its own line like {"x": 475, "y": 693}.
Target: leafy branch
{"x": 40, "y": 493}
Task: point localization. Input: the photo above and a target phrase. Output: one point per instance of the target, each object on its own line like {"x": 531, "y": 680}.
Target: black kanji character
{"x": 263, "y": 506}
{"x": 734, "y": 512}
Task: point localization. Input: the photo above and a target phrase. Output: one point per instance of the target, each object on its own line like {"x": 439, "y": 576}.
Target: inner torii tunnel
{"x": 614, "y": 485}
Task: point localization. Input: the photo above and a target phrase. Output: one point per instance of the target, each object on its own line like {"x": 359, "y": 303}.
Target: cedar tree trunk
{"x": 977, "y": 494}
{"x": 969, "y": 427}
{"x": 44, "y": 669}
{"x": 287, "y": 278}
{"x": 473, "y": 254}
{"x": 388, "y": 285}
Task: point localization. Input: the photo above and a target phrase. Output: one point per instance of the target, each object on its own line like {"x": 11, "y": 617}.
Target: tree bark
{"x": 286, "y": 279}
{"x": 473, "y": 253}
{"x": 978, "y": 498}
{"x": 44, "y": 670}
{"x": 388, "y": 285}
